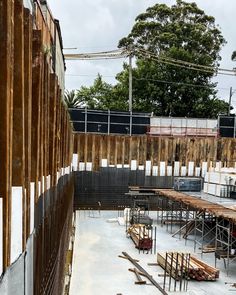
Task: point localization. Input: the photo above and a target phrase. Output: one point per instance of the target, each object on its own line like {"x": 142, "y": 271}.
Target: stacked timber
{"x": 178, "y": 265}
{"x": 141, "y": 236}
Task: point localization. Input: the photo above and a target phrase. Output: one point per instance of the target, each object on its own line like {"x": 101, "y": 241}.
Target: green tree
{"x": 70, "y": 99}
{"x": 101, "y": 95}
{"x": 180, "y": 32}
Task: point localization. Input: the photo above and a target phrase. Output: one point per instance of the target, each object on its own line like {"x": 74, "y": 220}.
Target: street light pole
{"x": 130, "y": 82}
{"x": 230, "y": 97}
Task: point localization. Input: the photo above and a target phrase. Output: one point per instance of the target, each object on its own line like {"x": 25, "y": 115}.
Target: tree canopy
{"x": 161, "y": 83}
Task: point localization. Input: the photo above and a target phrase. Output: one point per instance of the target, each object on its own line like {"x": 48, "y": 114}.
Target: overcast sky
{"x": 98, "y": 25}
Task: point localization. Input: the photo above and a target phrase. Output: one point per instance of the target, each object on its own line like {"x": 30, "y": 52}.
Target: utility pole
{"x": 230, "y": 97}
{"x": 130, "y": 82}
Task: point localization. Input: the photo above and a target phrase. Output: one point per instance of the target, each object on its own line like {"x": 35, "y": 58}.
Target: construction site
{"x": 105, "y": 202}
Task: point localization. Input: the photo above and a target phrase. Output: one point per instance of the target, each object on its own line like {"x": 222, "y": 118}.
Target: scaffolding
{"x": 212, "y": 227}
{"x": 225, "y": 242}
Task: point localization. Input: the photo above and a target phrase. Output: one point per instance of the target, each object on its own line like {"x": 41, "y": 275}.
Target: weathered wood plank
{"x": 6, "y": 98}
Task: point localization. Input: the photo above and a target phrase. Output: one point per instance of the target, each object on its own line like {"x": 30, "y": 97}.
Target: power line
{"x": 108, "y": 76}
{"x": 176, "y": 83}
{"x": 148, "y": 79}
{"x": 112, "y": 54}
{"x": 121, "y": 53}
{"x": 186, "y": 65}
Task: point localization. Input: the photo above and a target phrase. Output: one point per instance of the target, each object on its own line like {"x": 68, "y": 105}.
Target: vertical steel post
{"x": 86, "y": 121}
{"x": 130, "y": 83}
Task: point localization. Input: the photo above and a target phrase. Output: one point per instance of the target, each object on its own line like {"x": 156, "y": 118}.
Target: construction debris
{"x": 141, "y": 236}
{"x": 174, "y": 262}
{"x": 120, "y": 256}
{"x": 142, "y": 270}
{"x": 139, "y": 279}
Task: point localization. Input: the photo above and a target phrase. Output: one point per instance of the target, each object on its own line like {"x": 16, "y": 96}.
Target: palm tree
{"x": 71, "y": 99}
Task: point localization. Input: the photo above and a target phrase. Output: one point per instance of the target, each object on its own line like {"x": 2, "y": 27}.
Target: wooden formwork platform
{"x": 203, "y": 205}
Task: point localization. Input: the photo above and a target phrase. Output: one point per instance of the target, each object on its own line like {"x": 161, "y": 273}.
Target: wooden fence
{"x": 123, "y": 149}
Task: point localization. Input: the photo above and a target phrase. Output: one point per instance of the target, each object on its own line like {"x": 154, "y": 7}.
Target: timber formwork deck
{"x": 215, "y": 209}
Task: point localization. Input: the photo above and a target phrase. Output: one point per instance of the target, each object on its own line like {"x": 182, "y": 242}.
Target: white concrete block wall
{"x": 75, "y": 162}
{"x": 133, "y": 165}
{"x": 89, "y": 166}
{"x": 176, "y": 169}
{"x": 148, "y": 168}
{"x": 155, "y": 170}
{"x": 217, "y": 178}
{"x": 39, "y": 189}
{"x": 204, "y": 168}
{"x": 169, "y": 171}
{"x": 183, "y": 171}
{"x": 162, "y": 169}
{"x": 81, "y": 166}
{"x": 191, "y": 169}
{"x": 48, "y": 179}
{"x": 197, "y": 171}
{"x": 104, "y": 163}
{"x": 67, "y": 170}
{"x": 16, "y": 223}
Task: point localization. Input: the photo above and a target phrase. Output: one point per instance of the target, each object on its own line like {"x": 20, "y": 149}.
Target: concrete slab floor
{"x": 97, "y": 269}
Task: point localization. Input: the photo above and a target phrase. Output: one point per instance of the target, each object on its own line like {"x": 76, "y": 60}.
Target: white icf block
{"x": 67, "y": 170}
{"x": 198, "y": 171}
{"x": 133, "y": 165}
{"x": 169, "y": 170}
{"x": 162, "y": 169}
{"x": 218, "y": 166}
{"x": 81, "y": 166}
{"x": 75, "y": 162}
{"x": 16, "y": 223}
{"x": 119, "y": 166}
{"x": 206, "y": 177}
{"x": 141, "y": 167}
{"x": 154, "y": 170}
{"x": 148, "y": 168}
{"x": 1, "y": 236}
{"x": 104, "y": 163}
{"x": 176, "y": 169}
{"x": 32, "y": 204}
{"x": 43, "y": 182}
{"x": 204, "y": 168}
{"x": 48, "y": 179}
{"x": 183, "y": 171}
{"x": 214, "y": 177}
{"x": 39, "y": 189}
{"x": 126, "y": 166}
{"x": 89, "y": 166}
{"x": 58, "y": 175}
{"x": 190, "y": 168}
